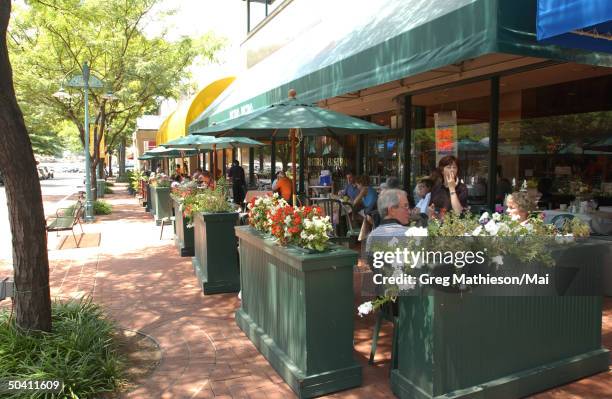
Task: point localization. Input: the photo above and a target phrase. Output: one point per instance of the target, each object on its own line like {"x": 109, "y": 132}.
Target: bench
{"x": 65, "y": 219}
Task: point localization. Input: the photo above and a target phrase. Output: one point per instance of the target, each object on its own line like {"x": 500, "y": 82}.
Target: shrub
{"x": 80, "y": 351}
{"x": 110, "y": 184}
{"x": 102, "y": 208}
{"x": 107, "y": 189}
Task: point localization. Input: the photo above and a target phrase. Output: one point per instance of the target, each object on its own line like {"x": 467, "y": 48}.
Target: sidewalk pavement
{"x": 146, "y": 286}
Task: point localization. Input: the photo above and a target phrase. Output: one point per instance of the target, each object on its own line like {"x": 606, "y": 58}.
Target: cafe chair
{"x": 338, "y": 212}
{"x": 560, "y": 220}
{"x": 387, "y": 312}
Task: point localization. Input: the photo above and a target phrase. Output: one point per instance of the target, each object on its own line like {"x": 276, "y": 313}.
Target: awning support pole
{"x": 292, "y": 133}
{"x": 493, "y": 138}
{"x": 251, "y": 167}
{"x": 214, "y": 157}
{"x": 407, "y": 137}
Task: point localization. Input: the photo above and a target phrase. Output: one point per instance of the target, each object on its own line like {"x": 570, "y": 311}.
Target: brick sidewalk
{"x": 146, "y": 286}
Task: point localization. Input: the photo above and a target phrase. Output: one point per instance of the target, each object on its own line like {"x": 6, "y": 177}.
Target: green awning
{"x": 397, "y": 39}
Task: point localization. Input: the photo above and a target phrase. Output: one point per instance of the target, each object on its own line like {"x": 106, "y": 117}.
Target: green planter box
{"x": 162, "y": 205}
{"x": 216, "y": 255}
{"x": 297, "y": 308}
{"x": 453, "y": 345}
{"x": 150, "y": 199}
{"x": 183, "y": 235}
{"x": 100, "y": 186}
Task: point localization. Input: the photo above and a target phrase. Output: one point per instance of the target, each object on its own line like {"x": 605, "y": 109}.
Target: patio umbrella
{"x": 145, "y": 157}
{"x": 162, "y": 152}
{"x": 290, "y": 119}
{"x": 212, "y": 143}
{"x": 601, "y": 145}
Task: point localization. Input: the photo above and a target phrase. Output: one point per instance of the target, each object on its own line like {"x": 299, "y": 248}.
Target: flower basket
{"x": 465, "y": 346}
{"x": 488, "y": 340}
{"x": 296, "y": 309}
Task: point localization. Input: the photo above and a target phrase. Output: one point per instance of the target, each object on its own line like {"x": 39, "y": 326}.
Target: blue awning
{"x": 584, "y": 24}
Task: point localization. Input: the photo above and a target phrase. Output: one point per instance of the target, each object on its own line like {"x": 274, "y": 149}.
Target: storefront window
{"x": 336, "y": 154}
{"x": 382, "y": 150}
{"x": 555, "y": 133}
{"x": 453, "y": 121}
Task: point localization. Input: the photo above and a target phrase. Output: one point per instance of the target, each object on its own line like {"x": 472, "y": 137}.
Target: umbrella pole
{"x": 293, "y": 168}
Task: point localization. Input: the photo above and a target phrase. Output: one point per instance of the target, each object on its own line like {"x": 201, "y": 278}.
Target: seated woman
{"x": 520, "y": 205}
{"x": 449, "y": 193}
{"x": 367, "y": 197}
{"x": 176, "y": 181}
{"x": 206, "y": 181}
{"x": 424, "y": 191}
{"x": 365, "y": 203}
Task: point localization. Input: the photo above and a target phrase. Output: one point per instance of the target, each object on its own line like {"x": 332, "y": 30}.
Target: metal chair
{"x": 338, "y": 211}
{"x": 560, "y": 220}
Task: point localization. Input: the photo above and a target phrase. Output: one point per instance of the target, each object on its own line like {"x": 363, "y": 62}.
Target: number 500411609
{"x": 30, "y": 385}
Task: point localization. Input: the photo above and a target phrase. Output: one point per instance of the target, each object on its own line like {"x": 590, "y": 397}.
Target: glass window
{"x": 453, "y": 121}
{"x": 555, "y": 133}
{"x": 336, "y": 154}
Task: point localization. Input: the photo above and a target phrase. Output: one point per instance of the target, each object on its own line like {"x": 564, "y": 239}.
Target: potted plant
{"x": 183, "y": 198}
{"x": 297, "y": 295}
{"x": 216, "y": 256}
{"x": 489, "y": 339}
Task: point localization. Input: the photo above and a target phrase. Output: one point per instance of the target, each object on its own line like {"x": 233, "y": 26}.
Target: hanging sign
{"x": 445, "y": 123}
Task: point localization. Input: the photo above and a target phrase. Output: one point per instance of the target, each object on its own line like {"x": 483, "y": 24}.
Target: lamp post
{"x": 84, "y": 81}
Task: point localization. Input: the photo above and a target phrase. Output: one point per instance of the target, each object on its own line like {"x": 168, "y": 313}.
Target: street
{"x": 54, "y": 192}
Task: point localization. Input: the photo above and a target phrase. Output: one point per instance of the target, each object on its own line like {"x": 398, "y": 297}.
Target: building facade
{"x": 462, "y": 77}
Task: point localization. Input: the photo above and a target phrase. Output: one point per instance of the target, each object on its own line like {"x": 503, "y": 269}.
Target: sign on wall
{"x": 445, "y": 123}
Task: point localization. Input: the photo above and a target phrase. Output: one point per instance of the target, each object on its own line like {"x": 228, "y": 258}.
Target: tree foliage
{"x": 50, "y": 40}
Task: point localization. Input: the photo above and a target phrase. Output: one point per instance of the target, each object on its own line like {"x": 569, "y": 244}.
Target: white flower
{"x": 564, "y": 238}
{"x": 515, "y": 218}
{"x": 483, "y": 217}
{"x": 498, "y": 260}
{"x": 477, "y": 231}
{"x": 416, "y": 232}
{"x": 365, "y": 308}
{"x": 287, "y": 219}
{"x": 492, "y": 228}
{"x": 497, "y": 216}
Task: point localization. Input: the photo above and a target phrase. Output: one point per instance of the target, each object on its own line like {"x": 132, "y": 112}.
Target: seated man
{"x": 394, "y": 212}
{"x": 395, "y": 215}
{"x": 283, "y": 186}
{"x": 351, "y": 189}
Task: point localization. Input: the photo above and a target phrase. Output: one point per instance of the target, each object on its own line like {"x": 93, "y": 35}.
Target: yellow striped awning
{"x": 177, "y": 124}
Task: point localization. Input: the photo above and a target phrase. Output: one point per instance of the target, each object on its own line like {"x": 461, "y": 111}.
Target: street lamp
{"x": 84, "y": 81}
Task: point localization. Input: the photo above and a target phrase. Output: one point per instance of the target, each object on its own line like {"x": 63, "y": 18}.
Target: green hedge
{"x": 81, "y": 351}
{"x": 102, "y": 208}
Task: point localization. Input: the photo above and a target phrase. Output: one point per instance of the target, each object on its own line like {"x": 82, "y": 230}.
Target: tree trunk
{"x": 23, "y": 197}
{"x": 93, "y": 176}
{"x": 110, "y": 164}
{"x": 122, "y": 157}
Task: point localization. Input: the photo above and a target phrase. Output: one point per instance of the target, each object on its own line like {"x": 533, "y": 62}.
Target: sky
{"x": 226, "y": 18}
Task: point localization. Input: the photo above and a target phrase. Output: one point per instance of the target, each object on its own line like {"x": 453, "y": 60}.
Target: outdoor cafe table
{"x": 600, "y": 222}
